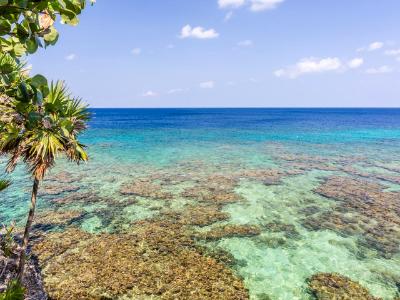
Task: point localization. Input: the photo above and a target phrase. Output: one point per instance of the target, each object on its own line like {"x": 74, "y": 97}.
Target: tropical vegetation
{"x": 39, "y": 121}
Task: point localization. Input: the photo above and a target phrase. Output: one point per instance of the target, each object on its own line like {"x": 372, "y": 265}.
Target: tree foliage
{"x": 35, "y": 117}
{"x": 38, "y": 121}
{"x": 27, "y": 25}
{"x": 39, "y": 132}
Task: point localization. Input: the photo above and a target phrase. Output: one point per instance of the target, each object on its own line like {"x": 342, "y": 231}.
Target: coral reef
{"x": 54, "y": 189}
{"x": 57, "y": 217}
{"x": 197, "y": 215}
{"x": 87, "y": 197}
{"x": 227, "y": 231}
{"x": 364, "y": 209}
{"x": 327, "y": 286}
{"x": 155, "y": 258}
{"x": 289, "y": 230}
{"x": 145, "y": 188}
{"x": 63, "y": 177}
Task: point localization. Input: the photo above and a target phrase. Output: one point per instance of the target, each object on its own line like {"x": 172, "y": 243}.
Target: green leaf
{"x": 39, "y": 97}
{"x": 5, "y": 26}
{"x": 51, "y": 37}
{"x": 70, "y": 21}
{"x": 3, "y": 2}
{"x": 19, "y": 49}
{"x": 38, "y": 81}
{"x": 32, "y": 45}
{"x": 4, "y": 184}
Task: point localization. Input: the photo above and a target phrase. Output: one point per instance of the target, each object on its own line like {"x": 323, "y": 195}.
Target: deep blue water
{"x": 297, "y": 119}
{"x": 315, "y": 125}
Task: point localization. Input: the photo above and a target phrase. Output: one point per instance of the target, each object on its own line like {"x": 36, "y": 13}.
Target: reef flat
{"x": 260, "y": 208}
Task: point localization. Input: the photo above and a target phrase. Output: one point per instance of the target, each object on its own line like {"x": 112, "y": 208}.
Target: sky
{"x": 230, "y": 53}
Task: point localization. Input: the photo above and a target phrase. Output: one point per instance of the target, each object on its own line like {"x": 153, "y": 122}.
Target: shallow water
{"x": 178, "y": 148}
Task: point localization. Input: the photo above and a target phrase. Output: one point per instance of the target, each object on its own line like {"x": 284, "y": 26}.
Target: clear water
{"x": 134, "y": 143}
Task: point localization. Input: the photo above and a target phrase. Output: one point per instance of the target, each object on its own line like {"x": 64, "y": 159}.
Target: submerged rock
{"x": 363, "y": 209}
{"x": 86, "y": 197}
{"x": 198, "y": 215}
{"x": 331, "y": 286}
{"x": 211, "y": 195}
{"x": 63, "y": 177}
{"x": 57, "y": 217}
{"x": 154, "y": 259}
{"x": 227, "y": 231}
{"x": 145, "y": 188}
{"x": 57, "y": 189}
{"x": 289, "y": 230}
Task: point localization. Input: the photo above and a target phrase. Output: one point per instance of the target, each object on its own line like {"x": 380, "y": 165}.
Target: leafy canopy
{"x": 38, "y": 132}
{"x": 27, "y": 25}
{"x": 38, "y": 121}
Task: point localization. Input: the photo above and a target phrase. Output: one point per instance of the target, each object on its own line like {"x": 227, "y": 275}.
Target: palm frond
{"x": 42, "y": 132}
{"x": 4, "y": 184}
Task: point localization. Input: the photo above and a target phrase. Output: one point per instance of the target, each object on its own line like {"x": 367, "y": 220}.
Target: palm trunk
{"x": 21, "y": 264}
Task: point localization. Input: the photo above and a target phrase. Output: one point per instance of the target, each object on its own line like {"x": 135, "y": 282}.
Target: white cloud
{"x": 375, "y": 46}
{"x": 207, "y": 84}
{"x": 254, "y": 5}
{"x": 170, "y": 46}
{"x": 136, "y": 51}
{"x": 176, "y": 91}
{"x": 379, "y": 70}
{"x": 198, "y": 33}
{"x": 150, "y": 94}
{"x": 228, "y": 16}
{"x": 355, "y": 63}
{"x": 310, "y": 65}
{"x": 231, "y": 3}
{"x": 71, "y": 56}
{"x": 245, "y": 43}
{"x": 371, "y": 47}
{"x": 393, "y": 52}
{"x": 259, "y": 5}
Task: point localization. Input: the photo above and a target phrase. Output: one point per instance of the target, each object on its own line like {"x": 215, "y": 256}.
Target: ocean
{"x": 322, "y": 187}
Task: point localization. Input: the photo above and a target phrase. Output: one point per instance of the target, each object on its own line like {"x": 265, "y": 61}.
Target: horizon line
{"x": 250, "y": 107}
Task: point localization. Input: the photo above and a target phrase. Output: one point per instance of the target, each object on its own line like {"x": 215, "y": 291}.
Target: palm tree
{"x": 38, "y": 132}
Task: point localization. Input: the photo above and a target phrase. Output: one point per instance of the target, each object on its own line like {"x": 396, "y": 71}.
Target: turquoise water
{"x": 180, "y": 147}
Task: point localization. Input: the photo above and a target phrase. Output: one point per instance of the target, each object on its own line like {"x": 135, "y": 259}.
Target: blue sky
{"x": 230, "y": 53}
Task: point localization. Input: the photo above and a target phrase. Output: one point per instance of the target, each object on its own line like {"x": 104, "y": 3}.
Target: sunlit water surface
{"x": 128, "y": 144}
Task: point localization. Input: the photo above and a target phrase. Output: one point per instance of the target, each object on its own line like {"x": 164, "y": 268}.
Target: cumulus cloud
{"x": 136, "y": 51}
{"x": 372, "y": 47}
{"x": 379, "y": 70}
{"x": 71, "y": 56}
{"x": 245, "y": 43}
{"x": 150, "y": 94}
{"x": 393, "y": 52}
{"x": 259, "y": 5}
{"x": 355, "y": 63}
{"x": 198, "y": 33}
{"x": 310, "y": 65}
{"x": 176, "y": 91}
{"x": 207, "y": 84}
{"x": 375, "y": 46}
{"x": 254, "y": 5}
{"x": 230, "y": 3}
